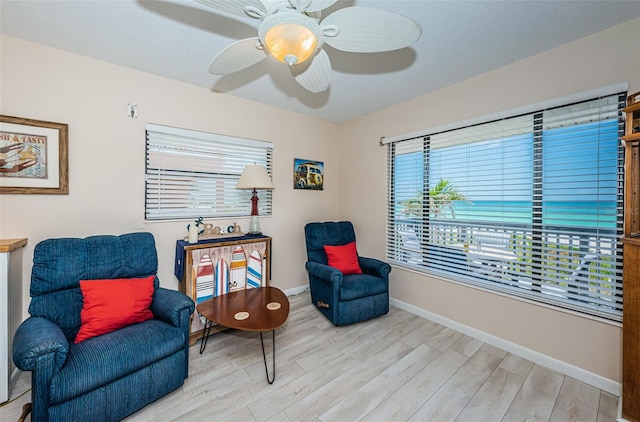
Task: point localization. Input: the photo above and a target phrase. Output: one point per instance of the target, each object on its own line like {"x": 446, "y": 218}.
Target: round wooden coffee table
{"x": 260, "y": 309}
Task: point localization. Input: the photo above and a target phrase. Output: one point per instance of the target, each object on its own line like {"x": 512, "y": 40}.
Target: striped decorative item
{"x": 222, "y": 278}
{"x": 238, "y": 269}
{"x": 254, "y": 270}
{"x": 204, "y": 279}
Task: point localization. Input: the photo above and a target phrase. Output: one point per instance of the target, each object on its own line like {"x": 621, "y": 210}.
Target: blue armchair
{"x": 344, "y": 299}
{"x": 108, "y": 377}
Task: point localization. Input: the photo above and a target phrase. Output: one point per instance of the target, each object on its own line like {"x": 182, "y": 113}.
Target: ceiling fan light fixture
{"x": 290, "y": 43}
{"x": 292, "y": 38}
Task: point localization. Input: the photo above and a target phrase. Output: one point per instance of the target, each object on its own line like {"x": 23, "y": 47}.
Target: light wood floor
{"x": 396, "y": 367}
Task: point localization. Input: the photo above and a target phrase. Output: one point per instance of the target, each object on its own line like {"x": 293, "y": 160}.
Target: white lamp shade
{"x": 254, "y": 177}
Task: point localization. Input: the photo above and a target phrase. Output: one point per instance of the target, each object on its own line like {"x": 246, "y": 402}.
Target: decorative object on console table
{"x": 213, "y": 267}
{"x": 193, "y": 230}
{"x": 210, "y": 231}
{"x": 193, "y": 234}
{"x": 219, "y": 232}
{"x": 33, "y": 156}
{"x": 254, "y": 177}
{"x": 10, "y": 309}
{"x": 631, "y": 263}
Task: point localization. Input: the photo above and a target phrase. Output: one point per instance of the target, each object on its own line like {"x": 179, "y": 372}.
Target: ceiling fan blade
{"x": 311, "y": 5}
{"x": 315, "y": 74}
{"x": 239, "y": 55}
{"x": 235, "y": 7}
{"x": 367, "y": 30}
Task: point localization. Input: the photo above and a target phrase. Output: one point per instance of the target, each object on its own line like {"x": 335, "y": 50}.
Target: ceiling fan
{"x": 292, "y": 31}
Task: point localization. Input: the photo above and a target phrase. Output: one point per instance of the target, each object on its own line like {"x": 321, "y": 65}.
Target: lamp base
{"x": 254, "y": 226}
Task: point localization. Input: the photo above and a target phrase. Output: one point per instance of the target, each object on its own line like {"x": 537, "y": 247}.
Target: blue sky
{"x": 579, "y": 165}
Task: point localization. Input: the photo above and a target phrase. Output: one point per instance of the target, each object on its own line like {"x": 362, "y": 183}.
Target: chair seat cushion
{"x": 103, "y": 359}
{"x": 355, "y": 286}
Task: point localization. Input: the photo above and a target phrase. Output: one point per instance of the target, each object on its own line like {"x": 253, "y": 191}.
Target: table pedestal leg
{"x": 205, "y": 335}
{"x": 264, "y": 356}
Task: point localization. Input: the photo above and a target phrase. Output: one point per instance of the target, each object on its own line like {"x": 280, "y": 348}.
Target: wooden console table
{"x": 213, "y": 267}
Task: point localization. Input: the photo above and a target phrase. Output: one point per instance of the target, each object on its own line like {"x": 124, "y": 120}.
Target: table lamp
{"x": 254, "y": 177}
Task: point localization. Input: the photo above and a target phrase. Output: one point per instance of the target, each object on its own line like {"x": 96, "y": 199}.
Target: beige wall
{"x": 106, "y": 154}
{"x": 604, "y": 59}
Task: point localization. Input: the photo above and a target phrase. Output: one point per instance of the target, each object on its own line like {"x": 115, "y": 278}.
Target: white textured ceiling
{"x": 178, "y": 38}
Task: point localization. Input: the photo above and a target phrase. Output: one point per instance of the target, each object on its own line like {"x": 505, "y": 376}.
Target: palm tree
{"x": 412, "y": 207}
{"x": 441, "y": 198}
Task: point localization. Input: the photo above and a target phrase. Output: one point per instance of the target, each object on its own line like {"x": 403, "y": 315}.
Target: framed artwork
{"x": 308, "y": 174}
{"x": 33, "y": 156}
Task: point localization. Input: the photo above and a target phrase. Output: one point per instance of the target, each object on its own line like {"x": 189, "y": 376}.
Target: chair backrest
{"x": 581, "y": 272}
{"x": 411, "y": 248}
{"x": 492, "y": 239}
{"x": 60, "y": 264}
{"x": 328, "y": 233}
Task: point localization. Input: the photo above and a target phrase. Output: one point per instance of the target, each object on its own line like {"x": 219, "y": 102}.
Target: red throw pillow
{"x": 344, "y": 258}
{"x": 112, "y": 304}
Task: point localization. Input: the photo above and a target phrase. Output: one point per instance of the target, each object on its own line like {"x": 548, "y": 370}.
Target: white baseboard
{"x": 13, "y": 379}
{"x": 296, "y": 290}
{"x": 565, "y": 368}
{"x": 619, "y": 417}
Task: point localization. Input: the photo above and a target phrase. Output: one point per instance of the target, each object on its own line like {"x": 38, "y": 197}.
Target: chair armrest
{"x": 168, "y": 304}
{"x": 374, "y": 267}
{"x": 39, "y": 340}
{"x": 324, "y": 272}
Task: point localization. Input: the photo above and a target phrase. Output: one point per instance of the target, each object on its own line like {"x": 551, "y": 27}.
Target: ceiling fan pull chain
{"x": 254, "y": 12}
{"x": 330, "y": 30}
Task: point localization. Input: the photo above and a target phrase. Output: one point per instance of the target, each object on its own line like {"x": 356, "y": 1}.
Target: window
{"x": 529, "y": 205}
{"x": 193, "y": 174}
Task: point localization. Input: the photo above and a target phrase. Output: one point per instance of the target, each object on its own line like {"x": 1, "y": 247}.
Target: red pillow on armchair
{"x": 113, "y": 304}
{"x": 343, "y": 258}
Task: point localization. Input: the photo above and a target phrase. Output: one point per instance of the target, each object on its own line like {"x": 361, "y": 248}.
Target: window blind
{"x": 529, "y": 205}
{"x": 191, "y": 174}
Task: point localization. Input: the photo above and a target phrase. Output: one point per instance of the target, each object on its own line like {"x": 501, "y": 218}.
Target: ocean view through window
{"x": 529, "y": 205}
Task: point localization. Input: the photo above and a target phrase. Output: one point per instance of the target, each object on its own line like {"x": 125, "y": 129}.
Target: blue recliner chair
{"x": 344, "y": 299}
{"x": 108, "y": 377}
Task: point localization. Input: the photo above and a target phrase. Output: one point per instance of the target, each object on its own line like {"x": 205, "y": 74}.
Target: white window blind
{"x": 191, "y": 174}
{"x": 529, "y": 205}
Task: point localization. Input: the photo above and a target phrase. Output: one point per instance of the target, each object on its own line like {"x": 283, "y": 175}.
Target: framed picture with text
{"x": 33, "y": 156}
